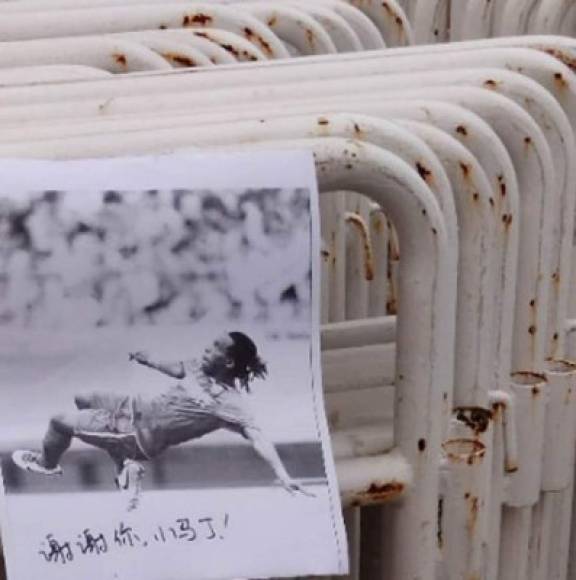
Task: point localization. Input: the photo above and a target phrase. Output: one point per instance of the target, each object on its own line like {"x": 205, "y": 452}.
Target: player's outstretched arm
{"x": 174, "y": 370}
{"x": 268, "y": 452}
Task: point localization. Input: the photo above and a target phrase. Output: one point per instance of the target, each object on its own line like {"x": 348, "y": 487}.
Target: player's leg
{"x": 61, "y": 430}
{"x": 129, "y": 482}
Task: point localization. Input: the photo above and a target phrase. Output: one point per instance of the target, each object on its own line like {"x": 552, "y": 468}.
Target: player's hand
{"x": 139, "y": 356}
{"x": 294, "y": 488}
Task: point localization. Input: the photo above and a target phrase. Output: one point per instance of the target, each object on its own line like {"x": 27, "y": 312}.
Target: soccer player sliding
{"x": 209, "y": 394}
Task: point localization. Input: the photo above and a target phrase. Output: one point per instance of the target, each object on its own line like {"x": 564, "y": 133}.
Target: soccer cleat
{"x": 32, "y": 461}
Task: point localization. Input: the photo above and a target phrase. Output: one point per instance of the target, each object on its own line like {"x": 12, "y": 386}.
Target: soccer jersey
{"x": 192, "y": 408}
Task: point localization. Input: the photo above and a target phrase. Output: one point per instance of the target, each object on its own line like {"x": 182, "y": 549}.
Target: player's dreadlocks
{"x": 237, "y": 362}
{"x": 248, "y": 364}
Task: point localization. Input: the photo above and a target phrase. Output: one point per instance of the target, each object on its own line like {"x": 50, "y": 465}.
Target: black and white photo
{"x": 159, "y": 364}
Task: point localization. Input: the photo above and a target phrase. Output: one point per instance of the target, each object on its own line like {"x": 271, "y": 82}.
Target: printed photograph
{"x": 155, "y": 358}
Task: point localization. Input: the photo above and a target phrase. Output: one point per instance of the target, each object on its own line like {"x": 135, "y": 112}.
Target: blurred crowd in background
{"x": 154, "y": 257}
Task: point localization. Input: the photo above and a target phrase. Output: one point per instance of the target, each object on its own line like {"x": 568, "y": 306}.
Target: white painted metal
{"x": 124, "y": 19}
{"x": 475, "y": 22}
{"x": 176, "y": 53}
{"x": 429, "y": 20}
{"x": 514, "y": 17}
{"x": 364, "y": 28}
{"x": 550, "y": 538}
{"x": 294, "y": 27}
{"x": 330, "y": 13}
{"x": 390, "y": 19}
{"x": 345, "y": 65}
{"x": 568, "y": 27}
{"x": 341, "y": 32}
{"x": 530, "y": 390}
{"x": 558, "y": 457}
{"x": 547, "y": 17}
{"x": 464, "y": 508}
{"x": 117, "y": 56}
{"x": 241, "y": 49}
{"x": 33, "y": 75}
{"x": 209, "y": 48}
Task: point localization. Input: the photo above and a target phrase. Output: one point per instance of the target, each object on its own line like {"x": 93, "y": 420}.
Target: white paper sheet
{"x": 159, "y": 345}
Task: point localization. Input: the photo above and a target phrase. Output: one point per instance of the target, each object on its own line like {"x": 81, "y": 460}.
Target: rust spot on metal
{"x": 475, "y": 196}
{"x": 440, "y": 516}
{"x": 562, "y": 56}
{"x": 272, "y": 21}
{"x": 528, "y": 140}
{"x": 465, "y": 169}
{"x": 434, "y": 231}
{"x": 323, "y": 121}
{"x": 528, "y": 378}
{"x": 359, "y": 223}
{"x": 497, "y": 409}
{"x": 473, "y": 508}
{"x": 423, "y": 171}
{"x": 532, "y": 330}
{"x": 490, "y": 84}
{"x": 491, "y": 201}
{"x": 436, "y": 32}
{"x": 230, "y": 49}
{"x": 310, "y": 37}
{"x": 179, "y": 59}
{"x": 251, "y": 35}
{"x": 507, "y": 219}
{"x": 555, "y": 336}
{"x": 120, "y": 59}
{"x": 357, "y": 130}
{"x": 378, "y": 492}
{"x": 398, "y": 21}
{"x": 387, "y": 8}
{"x": 468, "y": 451}
{"x": 163, "y": 27}
{"x": 462, "y": 130}
{"x": 560, "y": 80}
{"x": 421, "y": 445}
{"x": 476, "y": 418}
{"x": 333, "y": 251}
{"x": 535, "y": 390}
{"x": 196, "y": 19}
